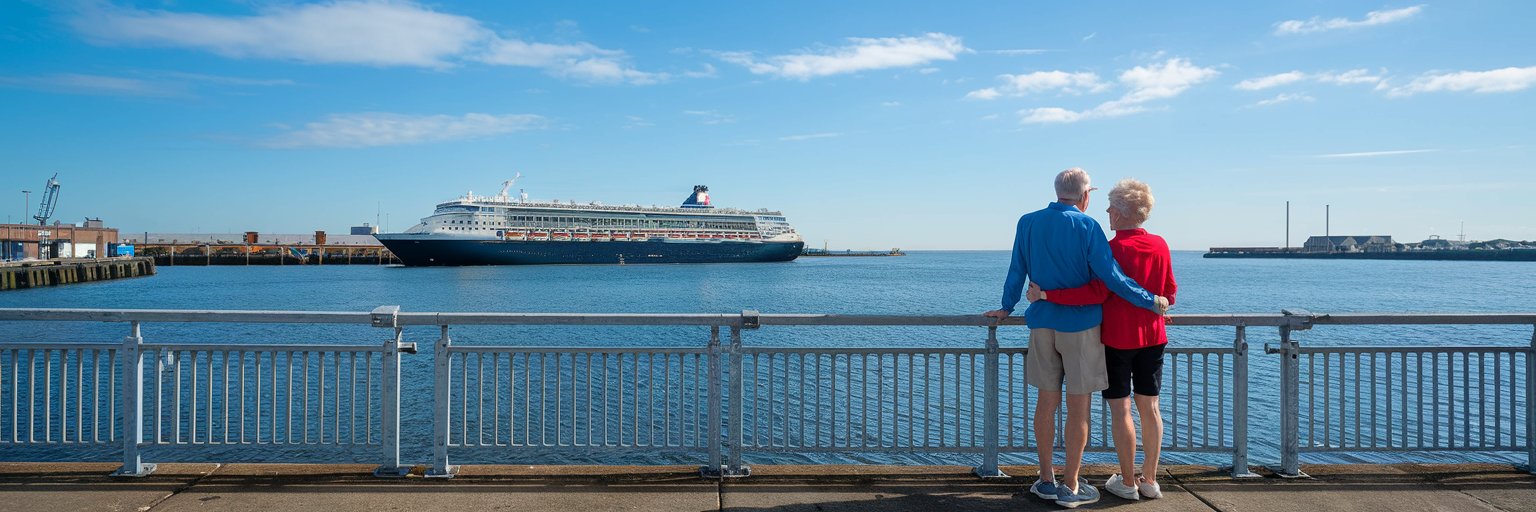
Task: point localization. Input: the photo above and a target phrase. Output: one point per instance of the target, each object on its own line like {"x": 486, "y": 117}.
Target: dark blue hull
{"x": 425, "y": 252}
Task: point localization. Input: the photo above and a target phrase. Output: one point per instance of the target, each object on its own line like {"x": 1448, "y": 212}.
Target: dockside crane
{"x": 44, "y": 212}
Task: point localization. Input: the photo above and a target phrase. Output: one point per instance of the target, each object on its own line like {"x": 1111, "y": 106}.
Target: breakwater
{"x": 33, "y": 274}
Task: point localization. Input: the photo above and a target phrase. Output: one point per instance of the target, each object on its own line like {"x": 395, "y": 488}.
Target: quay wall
{"x": 16, "y": 276}
{"x": 266, "y": 255}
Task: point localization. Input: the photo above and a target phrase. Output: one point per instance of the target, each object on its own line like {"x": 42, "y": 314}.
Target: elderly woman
{"x": 1133, "y": 337}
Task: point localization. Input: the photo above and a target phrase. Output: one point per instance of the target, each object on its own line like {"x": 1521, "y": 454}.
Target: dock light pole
{"x": 26, "y": 204}
{"x": 1287, "y": 226}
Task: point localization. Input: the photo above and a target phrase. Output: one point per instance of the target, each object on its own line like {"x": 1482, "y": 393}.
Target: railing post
{"x": 733, "y": 467}
{"x": 1240, "y": 405}
{"x": 988, "y": 467}
{"x": 714, "y": 469}
{"x": 442, "y": 373}
{"x": 389, "y": 388}
{"x": 1290, "y": 405}
{"x": 1530, "y": 405}
{"x": 133, "y": 405}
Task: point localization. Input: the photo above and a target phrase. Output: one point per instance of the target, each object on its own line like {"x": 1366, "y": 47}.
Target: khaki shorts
{"x": 1076, "y": 357}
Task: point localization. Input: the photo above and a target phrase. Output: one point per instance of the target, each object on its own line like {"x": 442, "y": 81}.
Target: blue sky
{"x": 919, "y": 125}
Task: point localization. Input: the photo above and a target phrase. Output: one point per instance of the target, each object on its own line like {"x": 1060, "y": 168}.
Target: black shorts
{"x": 1142, "y": 367}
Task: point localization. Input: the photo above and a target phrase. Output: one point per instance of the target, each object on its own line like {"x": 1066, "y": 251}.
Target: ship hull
{"x": 426, "y": 251}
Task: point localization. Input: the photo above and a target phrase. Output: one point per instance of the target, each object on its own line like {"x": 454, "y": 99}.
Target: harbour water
{"x": 957, "y": 282}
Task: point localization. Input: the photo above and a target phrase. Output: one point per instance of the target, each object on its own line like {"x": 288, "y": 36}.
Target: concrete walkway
{"x": 340, "y": 488}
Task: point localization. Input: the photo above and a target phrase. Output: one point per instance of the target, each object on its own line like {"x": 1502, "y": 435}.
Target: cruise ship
{"x": 501, "y": 230}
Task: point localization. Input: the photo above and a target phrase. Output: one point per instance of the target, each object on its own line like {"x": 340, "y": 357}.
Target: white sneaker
{"x": 1117, "y": 487}
{"x": 1149, "y": 489}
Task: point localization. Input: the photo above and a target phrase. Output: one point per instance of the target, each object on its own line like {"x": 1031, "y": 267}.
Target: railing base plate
{"x": 994, "y": 473}
{"x": 1240, "y": 475}
{"x": 1282, "y": 474}
{"x": 124, "y": 472}
{"x": 391, "y": 471}
{"x": 725, "y": 472}
{"x": 449, "y": 472}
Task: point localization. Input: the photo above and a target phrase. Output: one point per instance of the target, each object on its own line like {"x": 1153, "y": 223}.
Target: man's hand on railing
{"x": 999, "y": 314}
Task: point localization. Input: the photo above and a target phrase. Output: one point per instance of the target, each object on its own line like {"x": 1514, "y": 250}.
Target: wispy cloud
{"x": 861, "y": 54}
{"x": 1090, "y": 36}
{"x": 1283, "y": 98}
{"x": 827, "y": 135}
{"x": 1351, "y": 77}
{"x": 637, "y": 122}
{"x": 890, "y": 104}
{"x": 1497, "y": 80}
{"x": 1265, "y": 82}
{"x": 710, "y": 116}
{"x": 73, "y": 83}
{"x": 1368, "y": 154}
{"x": 372, "y": 33}
{"x": 1041, "y": 81}
{"x": 1019, "y": 51}
{"x": 372, "y": 129}
{"x": 1144, "y": 84}
{"x": 1317, "y": 24}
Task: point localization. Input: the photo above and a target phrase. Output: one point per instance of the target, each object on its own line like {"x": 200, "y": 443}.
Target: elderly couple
{"x": 1096, "y": 323}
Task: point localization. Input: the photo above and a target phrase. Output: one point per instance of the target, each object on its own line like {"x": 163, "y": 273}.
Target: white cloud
{"x": 708, "y": 71}
{"x": 1368, "y": 154}
{"x": 862, "y": 54}
{"x": 711, "y": 116}
{"x": 1317, "y": 24}
{"x": 928, "y": 71}
{"x": 1497, "y": 80}
{"x": 1041, "y": 81}
{"x": 890, "y": 104}
{"x": 826, "y": 135}
{"x": 1353, "y": 76}
{"x": 1265, "y": 82}
{"x": 1283, "y": 98}
{"x": 1090, "y": 36}
{"x": 1145, "y": 84}
{"x": 374, "y": 33}
{"x": 1020, "y": 51}
{"x": 371, "y": 129}
{"x": 73, "y": 83}
{"x": 1170, "y": 79}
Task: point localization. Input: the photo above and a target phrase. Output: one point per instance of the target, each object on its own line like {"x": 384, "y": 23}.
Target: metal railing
{"x": 179, "y": 395}
{"x": 725, "y": 400}
{"x": 1405, "y": 399}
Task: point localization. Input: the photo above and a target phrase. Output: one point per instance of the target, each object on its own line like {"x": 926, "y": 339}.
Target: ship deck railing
{"x": 621, "y": 208}
{"x": 710, "y": 393}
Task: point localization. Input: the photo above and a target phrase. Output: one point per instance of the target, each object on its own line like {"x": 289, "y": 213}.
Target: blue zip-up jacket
{"x": 1061, "y": 247}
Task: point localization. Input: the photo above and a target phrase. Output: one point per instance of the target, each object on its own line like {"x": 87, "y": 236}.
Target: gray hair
{"x": 1133, "y": 199}
{"x": 1072, "y": 183}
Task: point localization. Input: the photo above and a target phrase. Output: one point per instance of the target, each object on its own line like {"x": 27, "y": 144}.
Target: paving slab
{"x": 1386, "y": 488}
{"x": 26, "y": 487}
{"x": 262, "y": 487}
{"x": 925, "y": 488}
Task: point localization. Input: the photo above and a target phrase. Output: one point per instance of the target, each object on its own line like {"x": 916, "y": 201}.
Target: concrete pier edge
{"x": 26, "y": 486}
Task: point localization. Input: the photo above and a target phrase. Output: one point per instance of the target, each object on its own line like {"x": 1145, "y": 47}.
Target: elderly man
{"x": 1061, "y": 247}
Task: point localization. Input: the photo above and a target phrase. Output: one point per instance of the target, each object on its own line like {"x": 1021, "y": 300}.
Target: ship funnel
{"x": 699, "y": 198}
